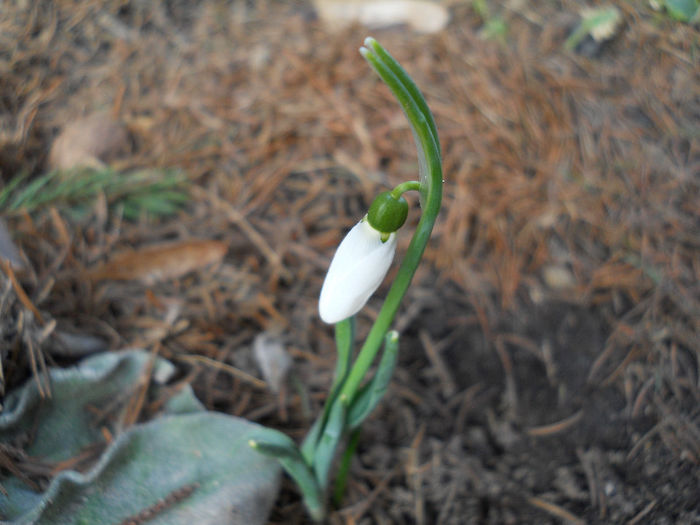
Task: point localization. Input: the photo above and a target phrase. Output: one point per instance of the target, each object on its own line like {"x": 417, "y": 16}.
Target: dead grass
{"x": 568, "y": 179}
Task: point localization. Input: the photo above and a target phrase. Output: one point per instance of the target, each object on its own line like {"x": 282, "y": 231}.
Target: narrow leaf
{"x": 6, "y": 192}
{"x": 332, "y": 434}
{"x": 423, "y": 126}
{"x": 408, "y": 84}
{"x": 368, "y": 397}
{"x": 308, "y": 447}
{"x": 275, "y": 444}
{"x": 344, "y": 469}
{"x": 344, "y": 340}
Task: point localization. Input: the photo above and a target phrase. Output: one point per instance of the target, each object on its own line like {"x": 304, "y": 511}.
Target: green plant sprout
{"x": 356, "y": 271}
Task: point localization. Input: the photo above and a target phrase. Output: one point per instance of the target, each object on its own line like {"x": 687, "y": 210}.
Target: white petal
{"x": 356, "y": 271}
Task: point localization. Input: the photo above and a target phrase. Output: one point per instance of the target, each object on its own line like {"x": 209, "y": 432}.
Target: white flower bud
{"x": 356, "y": 271}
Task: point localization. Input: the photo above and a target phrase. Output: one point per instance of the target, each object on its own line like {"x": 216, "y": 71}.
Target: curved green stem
{"x": 424, "y": 130}
{"x": 404, "y": 187}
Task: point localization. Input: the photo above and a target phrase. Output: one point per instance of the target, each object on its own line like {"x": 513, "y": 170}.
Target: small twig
{"x": 253, "y": 235}
{"x": 620, "y": 368}
{"x": 637, "y": 407}
{"x": 510, "y": 390}
{"x": 555, "y": 510}
{"x": 447, "y": 383}
{"x": 61, "y": 228}
{"x": 554, "y": 428}
{"x": 414, "y": 473}
{"x": 646, "y": 510}
{"x": 601, "y": 359}
{"x": 465, "y": 405}
{"x": 595, "y": 491}
{"x": 136, "y": 401}
{"x": 8, "y": 457}
{"x": 85, "y": 457}
{"x": 21, "y": 294}
{"x": 646, "y": 437}
{"x": 235, "y": 372}
{"x": 358, "y": 510}
{"x": 36, "y": 360}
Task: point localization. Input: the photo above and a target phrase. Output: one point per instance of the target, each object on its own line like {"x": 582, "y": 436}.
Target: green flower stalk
{"x": 359, "y": 266}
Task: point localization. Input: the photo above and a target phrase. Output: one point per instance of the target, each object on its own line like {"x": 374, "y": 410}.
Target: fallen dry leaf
{"x": 89, "y": 142}
{"x": 272, "y": 359}
{"x": 161, "y": 261}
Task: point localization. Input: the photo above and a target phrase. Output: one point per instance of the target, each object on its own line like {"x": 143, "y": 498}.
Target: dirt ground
{"x": 550, "y": 350}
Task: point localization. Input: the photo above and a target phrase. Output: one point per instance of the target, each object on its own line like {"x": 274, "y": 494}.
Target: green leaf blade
{"x": 329, "y": 440}
{"x": 275, "y": 444}
{"x": 372, "y": 393}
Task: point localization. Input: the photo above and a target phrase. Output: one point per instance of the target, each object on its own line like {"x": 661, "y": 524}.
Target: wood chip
{"x": 161, "y": 262}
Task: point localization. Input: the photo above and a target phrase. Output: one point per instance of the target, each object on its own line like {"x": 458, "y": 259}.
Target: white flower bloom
{"x": 356, "y": 271}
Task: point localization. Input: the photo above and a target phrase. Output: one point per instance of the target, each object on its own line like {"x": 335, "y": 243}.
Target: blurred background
{"x": 175, "y": 176}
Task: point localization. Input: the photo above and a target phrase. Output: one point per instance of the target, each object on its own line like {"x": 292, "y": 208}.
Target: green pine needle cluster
{"x": 153, "y": 192}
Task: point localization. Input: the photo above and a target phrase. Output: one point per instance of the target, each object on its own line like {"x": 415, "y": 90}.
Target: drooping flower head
{"x": 356, "y": 271}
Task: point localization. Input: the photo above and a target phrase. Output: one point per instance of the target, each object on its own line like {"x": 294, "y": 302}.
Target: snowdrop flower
{"x": 356, "y": 271}
{"x": 363, "y": 257}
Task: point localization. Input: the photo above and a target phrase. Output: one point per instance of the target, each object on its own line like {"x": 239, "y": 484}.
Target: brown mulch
{"x": 550, "y": 362}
